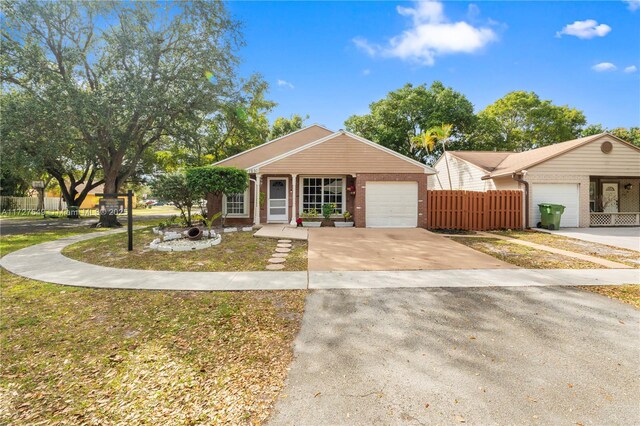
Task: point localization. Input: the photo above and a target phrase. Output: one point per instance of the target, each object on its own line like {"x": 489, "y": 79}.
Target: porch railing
{"x": 615, "y": 219}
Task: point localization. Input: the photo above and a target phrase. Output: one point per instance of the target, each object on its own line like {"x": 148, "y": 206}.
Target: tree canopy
{"x": 283, "y": 126}
{"x": 126, "y": 74}
{"x": 521, "y": 120}
{"x": 631, "y": 135}
{"x": 409, "y": 111}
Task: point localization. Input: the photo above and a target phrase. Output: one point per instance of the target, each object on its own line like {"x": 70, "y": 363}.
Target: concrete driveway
{"x": 623, "y": 237}
{"x": 362, "y": 249}
{"x": 480, "y": 356}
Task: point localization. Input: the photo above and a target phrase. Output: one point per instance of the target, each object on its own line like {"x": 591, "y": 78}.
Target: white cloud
{"x": 630, "y": 69}
{"x": 366, "y": 71}
{"x": 473, "y": 11}
{"x": 430, "y": 35}
{"x": 633, "y": 5}
{"x": 604, "y": 66}
{"x": 286, "y": 84}
{"x": 585, "y": 29}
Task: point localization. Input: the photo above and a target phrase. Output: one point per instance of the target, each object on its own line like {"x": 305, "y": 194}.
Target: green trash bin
{"x": 550, "y": 215}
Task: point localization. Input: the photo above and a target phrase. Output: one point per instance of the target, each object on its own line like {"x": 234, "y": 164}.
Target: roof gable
{"x": 276, "y": 147}
{"x": 523, "y": 160}
{"x": 484, "y": 160}
{"x": 342, "y": 152}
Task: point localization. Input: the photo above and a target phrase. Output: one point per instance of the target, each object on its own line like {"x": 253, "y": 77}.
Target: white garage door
{"x": 392, "y": 204}
{"x": 566, "y": 194}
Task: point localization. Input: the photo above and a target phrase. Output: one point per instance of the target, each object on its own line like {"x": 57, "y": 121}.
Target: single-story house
{"x": 597, "y": 178}
{"x": 306, "y": 169}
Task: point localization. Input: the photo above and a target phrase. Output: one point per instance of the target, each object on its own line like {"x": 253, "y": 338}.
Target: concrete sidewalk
{"x": 45, "y": 262}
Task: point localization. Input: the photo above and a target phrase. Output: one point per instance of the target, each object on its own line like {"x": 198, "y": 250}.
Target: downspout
{"x": 518, "y": 178}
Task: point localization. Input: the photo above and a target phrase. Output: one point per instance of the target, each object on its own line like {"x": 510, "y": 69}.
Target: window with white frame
{"x": 317, "y": 191}
{"x": 236, "y": 204}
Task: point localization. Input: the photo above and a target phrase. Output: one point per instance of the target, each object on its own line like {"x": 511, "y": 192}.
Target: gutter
{"x": 519, "y": 179}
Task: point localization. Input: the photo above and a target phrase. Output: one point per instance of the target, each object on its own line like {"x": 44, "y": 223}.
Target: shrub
{"x": 327, "y": 210}
{"x": 203, "y": 181}
{"x": 173, "y": 187}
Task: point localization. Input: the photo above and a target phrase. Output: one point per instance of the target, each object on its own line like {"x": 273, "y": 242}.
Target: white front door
{"x": 277, "y": 205}
{"x": 391, "y": 204}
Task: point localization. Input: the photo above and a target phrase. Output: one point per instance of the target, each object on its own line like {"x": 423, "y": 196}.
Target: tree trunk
{"x": 109, "y": 219}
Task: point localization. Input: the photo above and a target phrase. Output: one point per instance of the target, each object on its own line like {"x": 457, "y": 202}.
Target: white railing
{"x": 615, "y": 219}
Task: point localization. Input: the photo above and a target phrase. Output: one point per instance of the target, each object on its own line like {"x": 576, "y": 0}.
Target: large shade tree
{"x": 411, "y": 110}
{"x": 37, "y": 141}
{"x": 283, "y": 126}
{"x": 521, "y": 120}
{"x": 127, "y": 73}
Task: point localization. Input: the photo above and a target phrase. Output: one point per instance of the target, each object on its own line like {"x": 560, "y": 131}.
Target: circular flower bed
{"x": 184, "y": 244}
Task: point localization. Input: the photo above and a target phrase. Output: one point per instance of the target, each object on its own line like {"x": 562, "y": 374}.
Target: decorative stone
{"x": 230, "y": 229}
{"x": 284, "y": 241}
{"x": 276, "y": 260}
{"x": 282, "y": 250}
{"x": 247, "y": 228}
{"x": 279, "y": 255}
{"x": 283, "y": 245}
{"x": 275, "y": 267}
{"x": 184, "y": 244}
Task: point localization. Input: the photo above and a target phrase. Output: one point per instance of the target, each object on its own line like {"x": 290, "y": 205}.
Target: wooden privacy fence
{"x": 474, "y": 210}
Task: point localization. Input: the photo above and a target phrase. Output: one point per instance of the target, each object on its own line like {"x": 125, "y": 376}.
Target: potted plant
{"x": 308, "y": 219}
{"x": 351, "y": 189}
{"x": 327, "y": 211}
{"x": 348, "y": 222}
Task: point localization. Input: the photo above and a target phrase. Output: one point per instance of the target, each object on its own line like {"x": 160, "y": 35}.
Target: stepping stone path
{"x": 279, "y": 257}
{"x": 275, "y": 267}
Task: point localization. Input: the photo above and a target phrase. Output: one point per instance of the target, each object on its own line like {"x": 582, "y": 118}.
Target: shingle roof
{"x": 521, "y": 160}
{"x": 276, "y": 147}
{"x": 486, "y": 160}
{"x": 505, "y": 163}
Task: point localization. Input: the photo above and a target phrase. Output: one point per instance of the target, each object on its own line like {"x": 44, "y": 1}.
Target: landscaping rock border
{"x": 187, "y": 245}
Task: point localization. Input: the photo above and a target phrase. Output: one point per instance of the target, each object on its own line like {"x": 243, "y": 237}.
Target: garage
{"x": 566, "y": 194}
{"x": 391, "y": 204}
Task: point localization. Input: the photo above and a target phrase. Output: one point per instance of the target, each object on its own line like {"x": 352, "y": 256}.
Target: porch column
{"x": 256, "y": 205}
{"x": 294, "y": 179}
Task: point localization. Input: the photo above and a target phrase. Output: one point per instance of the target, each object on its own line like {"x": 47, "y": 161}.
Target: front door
{"x": 610, "y": 197}
{"x": 277, "y": 206}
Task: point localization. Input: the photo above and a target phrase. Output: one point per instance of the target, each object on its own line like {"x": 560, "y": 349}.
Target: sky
{"x": 332, "y": 59}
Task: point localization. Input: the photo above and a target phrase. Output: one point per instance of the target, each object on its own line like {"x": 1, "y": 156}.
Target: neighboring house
{"x": 597, "y": 178}
{"x": 303, "y": 170}
{"x": 91, "y": 200}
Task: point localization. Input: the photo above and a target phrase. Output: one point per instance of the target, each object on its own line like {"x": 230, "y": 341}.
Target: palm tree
{"x": 442, "y": 134}
{"x": 430, "y": 138}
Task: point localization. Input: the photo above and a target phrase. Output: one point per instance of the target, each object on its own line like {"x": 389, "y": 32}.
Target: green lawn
{"x": 90, "y": 356}
{"x": 238, "y": 251}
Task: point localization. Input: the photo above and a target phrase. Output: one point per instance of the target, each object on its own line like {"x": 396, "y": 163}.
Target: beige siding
{"x": 277, "y": 147}
{"x": 340, "y": 155}
{"x": 504, "y": 183}
{"x": 588, "y": 159}
{"x": 464, "y": 176}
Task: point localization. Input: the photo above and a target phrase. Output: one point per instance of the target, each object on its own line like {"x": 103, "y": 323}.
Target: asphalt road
{"x": 480, "y": 356}
{"x": 30, "y": 226}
